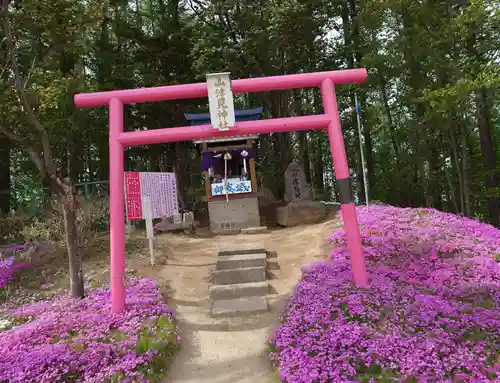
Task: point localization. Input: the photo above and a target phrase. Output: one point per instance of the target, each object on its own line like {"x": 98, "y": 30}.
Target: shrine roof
{"x": 240, "y": 115}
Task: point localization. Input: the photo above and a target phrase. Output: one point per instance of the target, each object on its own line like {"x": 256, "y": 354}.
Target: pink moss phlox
{"x": 81, "y": 340}
{"x": 8, "y": 269}
{"x": 432, "y": 312}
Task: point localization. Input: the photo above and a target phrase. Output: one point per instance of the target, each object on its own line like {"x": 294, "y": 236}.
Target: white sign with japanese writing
{"x": 159, "y": 188}
{"x": 233, "y": 187}
{"x": 220, "y": 101}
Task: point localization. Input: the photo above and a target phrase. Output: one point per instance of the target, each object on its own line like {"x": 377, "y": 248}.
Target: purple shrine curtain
{"x": 208, "y": 157}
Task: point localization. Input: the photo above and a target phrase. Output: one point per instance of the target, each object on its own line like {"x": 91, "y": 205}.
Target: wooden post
{"x": 208, "y": 188}
{"x": 253, "y": 176}
{"x": 146, "y": 205}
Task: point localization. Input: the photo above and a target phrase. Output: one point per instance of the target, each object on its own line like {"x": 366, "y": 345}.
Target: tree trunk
{"x": 76, "y": 161}
{"x": 304, "y": 154}
{"x": 318, "y": 165}
{"x": 367, "y": 136}
{"x": 102, "y": 171}
{"x": 5, "y": 185}
{"x": 451, "y": 190}
{"x": 302, "y": 136}
{"x": 435, "y": 170}
{"x": 77, "y": 289}
{"x": 388, "y": 114}
{"x": 489, "y": 155}
{"x": 465, "y": 171}
{"x": 282, "y": 143}
{"x": 454, "y": 150}
{"x": 182, "y": 167}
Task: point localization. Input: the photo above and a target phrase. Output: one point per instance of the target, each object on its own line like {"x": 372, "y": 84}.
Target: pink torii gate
{"x": 118, "y": 139}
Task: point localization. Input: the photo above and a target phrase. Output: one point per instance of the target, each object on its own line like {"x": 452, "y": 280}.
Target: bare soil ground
{"x": 232, "y": 349}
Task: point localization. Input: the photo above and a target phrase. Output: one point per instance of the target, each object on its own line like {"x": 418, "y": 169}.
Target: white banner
{"x": 220, "y": 101}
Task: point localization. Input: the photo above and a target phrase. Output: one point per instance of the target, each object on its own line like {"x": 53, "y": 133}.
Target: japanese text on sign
{"x": 221, "y": 103}
{"x": 160, "y": 188}
{"x": 232, "y": 187}
{"x": 295, "y": 182}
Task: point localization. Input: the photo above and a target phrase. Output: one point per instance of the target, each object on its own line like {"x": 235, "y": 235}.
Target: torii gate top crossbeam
{"x": 198, "y": 90}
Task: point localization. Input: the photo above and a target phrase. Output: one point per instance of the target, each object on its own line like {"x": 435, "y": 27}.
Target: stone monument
{"x": 301, "y": 209}
{"x": 296, "y": 186}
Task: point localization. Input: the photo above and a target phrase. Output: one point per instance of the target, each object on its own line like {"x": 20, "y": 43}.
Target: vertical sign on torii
{"x": 118, "y": 140}
{"x": 220, "y": 101}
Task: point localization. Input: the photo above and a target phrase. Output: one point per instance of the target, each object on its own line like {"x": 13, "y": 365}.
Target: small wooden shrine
{"x": 230, "y": 181}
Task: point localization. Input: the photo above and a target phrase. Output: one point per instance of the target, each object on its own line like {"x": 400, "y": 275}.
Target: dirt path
{"x": 230, "y": 350}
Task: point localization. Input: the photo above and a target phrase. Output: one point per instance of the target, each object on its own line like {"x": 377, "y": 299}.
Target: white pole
{"x": 148, "y": 217}
{"x": 361, "y": 148}
{"x": 151, "y": 252}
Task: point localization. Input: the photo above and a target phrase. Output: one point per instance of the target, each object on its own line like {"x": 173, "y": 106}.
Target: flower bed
{"x": 68, "y": 340}
{"x": 432, "y": 313}
{"x": 10, "y": 265}
{"x": 8, "y": 269}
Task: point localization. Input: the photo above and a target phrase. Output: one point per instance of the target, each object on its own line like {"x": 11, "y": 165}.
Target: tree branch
{"x": 19, "y": 83}
{"x": 35, "y": 158}
{"x": 6, "y": 65}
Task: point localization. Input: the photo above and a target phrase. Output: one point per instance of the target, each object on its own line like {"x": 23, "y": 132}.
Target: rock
{"x": 301, "y": 212}
{"x": 164, "y": 224}
{"x": 296, "y": 186}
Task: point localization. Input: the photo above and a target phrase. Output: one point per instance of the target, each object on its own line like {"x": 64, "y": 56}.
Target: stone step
{"x": 239, "y": 290}
{"x": 243, "y": 275}
{"x": 243, "y": 248}
{"x": 254, "y": 230}
{"x": 240, "y": 306}
{"x": 239, "y": 261}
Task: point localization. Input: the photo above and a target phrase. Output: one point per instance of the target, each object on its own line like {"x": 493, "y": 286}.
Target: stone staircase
{"x": 239, "y": 281}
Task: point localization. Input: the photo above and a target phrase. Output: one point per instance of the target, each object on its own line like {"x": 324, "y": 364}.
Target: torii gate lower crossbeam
{"x": 118, "y": 140}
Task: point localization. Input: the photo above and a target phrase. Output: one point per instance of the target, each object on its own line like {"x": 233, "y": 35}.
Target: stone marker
{"x": 296, "y": 186}
{"x": 188, "y": 217}
{"x": 177, "y": 217}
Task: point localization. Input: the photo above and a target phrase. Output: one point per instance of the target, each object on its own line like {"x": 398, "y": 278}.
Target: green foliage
{"x": 92, "y": 221}
{"x": 426, "y": 63}
{"x": 12, "y": 227}
{"x": 49, "y": 228}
